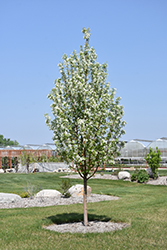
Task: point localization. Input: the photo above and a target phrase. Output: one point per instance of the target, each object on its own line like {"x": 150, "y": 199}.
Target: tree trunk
{"x": 85, "y": 203}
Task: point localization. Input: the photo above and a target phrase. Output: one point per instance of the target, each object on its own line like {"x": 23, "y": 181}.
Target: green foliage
{"x": 142, "y": 176}
{"x": 87, "y": 120}
{"x": 31, "y": 190}
{"x": 153, "y": 159}
{"x": 27, "y": 158}
{"x": 116, "y": 171}
{"x": 24, "y": 195}
{"x": 5, "y": 163}
{"x": 134, "y": 177}
{"x": 55, "y": 159}
{"x": 65, "y": 185}
{"x": 7, "y": 142}
{"x": 15, "y": 163}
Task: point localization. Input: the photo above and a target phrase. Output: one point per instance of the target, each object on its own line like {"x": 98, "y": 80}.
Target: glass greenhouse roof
{"x": 9, "y": 148}
{"x": 26, "y": 147}
{"x": 48, "y": 146}
{"x": 44, "y": 146}
{"x": 133, "y": 145}
{"x": 158, "y": 143}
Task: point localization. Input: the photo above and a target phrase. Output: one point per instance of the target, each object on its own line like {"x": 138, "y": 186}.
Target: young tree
{"x": 5, "y": 163}
{"x": 87, "y": 121}
{"x": 16, "y": 164}
{"x": 153, "y": 159}
{"x": 26, "y": 159}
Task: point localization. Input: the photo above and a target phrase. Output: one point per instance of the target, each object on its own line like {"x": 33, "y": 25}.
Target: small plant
{"x": 67, "y": 195}
{"x": 153, "y": 159}
{"x": 16, "y": 164}
{"x": 31, "y": 190}
{"x": 116, "y": 171}
{"x": 101, "y": 173}
{"x": 5, "y": 163}
{"x": 24, "y": 195}
{"x": 65, "y": 185}
{"x": 142, "y": 176}
{"x": 134, "y": 177}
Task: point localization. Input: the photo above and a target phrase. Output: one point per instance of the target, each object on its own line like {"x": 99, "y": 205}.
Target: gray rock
{"x": 150, "y": 173}
{"x": 5, "y": 197}
{"x": 78, "y": 190}
{"x": 48, "y": 193}
{"x": 10, "y": 170}
{"x": 122, "y": 175}
{"x": 53, "y": 201}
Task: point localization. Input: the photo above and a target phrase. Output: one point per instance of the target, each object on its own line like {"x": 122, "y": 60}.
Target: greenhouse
{"x": 161, "y": 144}
{"x": 10, "y": 152}
{"x": 134, "y": 151}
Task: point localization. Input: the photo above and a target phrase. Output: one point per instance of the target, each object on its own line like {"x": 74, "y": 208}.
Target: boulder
{"x": 78, "y": 190}
{"x": 123, "y": 175}
{"x": 1, "y": 171}
{"x": 10, "y": 170}
{"x": 45, "y": 193}
{"x": 58, "y": 170}
{"x": 6, "y": 197}
{"x": 150, "y": 173}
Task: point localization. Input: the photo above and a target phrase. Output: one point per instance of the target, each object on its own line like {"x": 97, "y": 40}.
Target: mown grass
{"x": 143, "y": 207}
{"x": 16, "y": 183}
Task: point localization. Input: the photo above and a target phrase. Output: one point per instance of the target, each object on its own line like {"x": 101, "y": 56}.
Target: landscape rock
{"x": 53, "y": 201}
{"x": 150, "y": 173}
{"x": 1, "y": 171}
{"x": 10, "y": 170}
{"x": 160, "y": 181}
{"x": 48, "y": 193}
{"x": 5, "y": 197}
{"x": 78, "y": 190}
{"x": 123, "y": 175}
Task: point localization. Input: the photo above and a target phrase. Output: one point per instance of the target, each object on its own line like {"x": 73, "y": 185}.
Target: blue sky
{"x": 129, "y": 35}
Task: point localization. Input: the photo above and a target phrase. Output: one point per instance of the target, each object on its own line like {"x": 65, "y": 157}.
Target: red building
{"x": 11, "y": 152}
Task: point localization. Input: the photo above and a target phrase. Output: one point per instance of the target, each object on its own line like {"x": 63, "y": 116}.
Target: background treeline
{"x": 7, "y": 141}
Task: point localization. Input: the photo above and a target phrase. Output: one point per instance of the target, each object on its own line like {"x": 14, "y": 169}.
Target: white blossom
{"x": 87, "y": 122}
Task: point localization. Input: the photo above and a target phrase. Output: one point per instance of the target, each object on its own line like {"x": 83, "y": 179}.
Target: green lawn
{"x": 144, "y": 207}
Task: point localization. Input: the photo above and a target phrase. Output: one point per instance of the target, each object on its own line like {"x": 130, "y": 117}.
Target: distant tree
{"x": 16, "y": 164}
{"x": 5, "y": 163}
{"x": 87, "y": 121}
{"x": 7, "y": 142}
{"x": 26, "y": 158}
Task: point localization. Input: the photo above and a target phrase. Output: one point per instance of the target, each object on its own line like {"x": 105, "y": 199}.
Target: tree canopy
{"x": 87, "y": 122}
{"x": 7, "y": 142}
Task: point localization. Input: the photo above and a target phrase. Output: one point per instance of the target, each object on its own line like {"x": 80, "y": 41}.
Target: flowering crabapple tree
{"x": 87, "y": 121}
